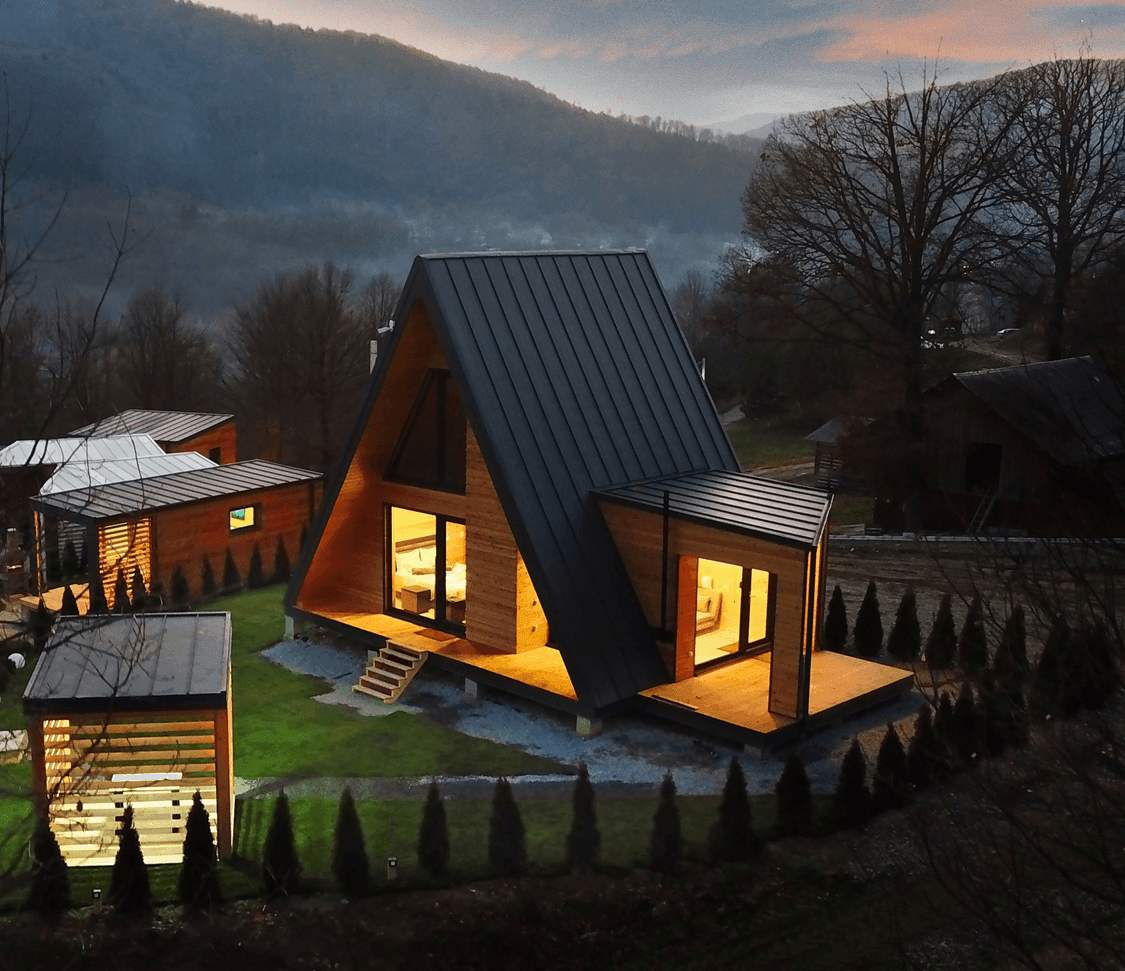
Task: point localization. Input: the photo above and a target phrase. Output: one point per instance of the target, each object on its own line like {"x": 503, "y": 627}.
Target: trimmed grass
{"x": 849, "y": 510}
{"x": 757, "y": 445}
{"x": 11, "y": 702}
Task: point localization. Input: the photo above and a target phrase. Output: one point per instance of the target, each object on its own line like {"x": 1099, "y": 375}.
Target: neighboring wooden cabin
{"x": 214, "y": 436}
{"x": 500, "y": 508}
{"x": 180, "y": 522}
{"x": 132, "y": 710}
{"x": 1038, "y": 447}
{"x": 828, "y": 464}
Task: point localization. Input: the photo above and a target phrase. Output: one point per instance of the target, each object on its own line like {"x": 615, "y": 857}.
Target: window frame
{"x": 249, "y": 527}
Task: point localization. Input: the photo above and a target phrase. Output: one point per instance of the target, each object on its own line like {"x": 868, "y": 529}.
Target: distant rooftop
{"x": 85, "y": 451}
{"x": 145, "y": 661}
{"x": 164, "y": 426}
{"x": 81, "y": 475}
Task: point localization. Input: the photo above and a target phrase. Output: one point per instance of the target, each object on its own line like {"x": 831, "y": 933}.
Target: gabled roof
{"x": 575, "y": 378}
{"x": 735, "y": 502}
{"x": 164, "y": 426}
{"x": 81, "y": 451}
{"x": 829, "y": 433}
{"x": 80, "y": 475}
{"x": 140, "y": 495}
{"x": 1071, "y": 409}
{"x": 135, "y": 661}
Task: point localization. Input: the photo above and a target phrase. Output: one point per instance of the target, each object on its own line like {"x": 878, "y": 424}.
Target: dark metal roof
{"x": 830, "y": 432}
{"x": 575, "y": 378}
{"x": 125, "y": 498}
{"x": 776, "y": 511}
{"x": 164, "y": 426}
{"x": 1071, "y": 409}
{"x": 144, "y": 661}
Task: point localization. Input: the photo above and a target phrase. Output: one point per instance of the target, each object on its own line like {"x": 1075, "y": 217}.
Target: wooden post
{"x": 35, "y": 745}
{"x": 688, "y": 580}
{"x": 224, "y": 777}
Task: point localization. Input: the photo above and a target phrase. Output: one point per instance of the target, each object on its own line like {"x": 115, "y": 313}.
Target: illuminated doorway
{"x": 426, "y": 555}
{"x": 734, "y": 612}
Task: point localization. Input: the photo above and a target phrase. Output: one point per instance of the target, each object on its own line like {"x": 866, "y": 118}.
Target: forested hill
{"x": 307, "y": 145}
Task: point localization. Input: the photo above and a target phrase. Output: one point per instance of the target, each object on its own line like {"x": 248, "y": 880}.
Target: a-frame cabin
{"x": 539, "y": 495}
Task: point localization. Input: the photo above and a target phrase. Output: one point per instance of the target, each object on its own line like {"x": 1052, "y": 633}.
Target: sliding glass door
{"x": 426, "y": 568}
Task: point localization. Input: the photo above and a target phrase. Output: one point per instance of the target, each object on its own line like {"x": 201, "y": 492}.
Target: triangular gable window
{"x": 431, "y": 449}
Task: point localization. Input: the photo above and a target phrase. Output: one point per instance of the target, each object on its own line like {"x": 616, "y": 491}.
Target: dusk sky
{"x": 708, "y": 61}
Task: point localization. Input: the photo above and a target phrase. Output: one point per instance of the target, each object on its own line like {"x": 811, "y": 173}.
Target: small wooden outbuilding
{"x": 214, "y": 436}
{"x": 133, "y": 710}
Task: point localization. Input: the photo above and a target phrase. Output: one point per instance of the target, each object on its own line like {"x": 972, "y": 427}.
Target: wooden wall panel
{"x": 124, "y": 546}
{"x": 531, "y": 621}
{"x": 224, "y": 438}
{"x": 688, "y": 578}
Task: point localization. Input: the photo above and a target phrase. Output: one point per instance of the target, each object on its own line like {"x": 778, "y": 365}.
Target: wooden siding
{"x": 76, "y": 757}
{"x": 224, "y": 438}
{"x": 639, "y": 537}
{"x": 684, "y": 663}
{"x": 184, "y": 535}
{"x": 124, "y": 546}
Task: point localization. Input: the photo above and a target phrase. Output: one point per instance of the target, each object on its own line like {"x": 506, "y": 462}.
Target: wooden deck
{"x": 53, "y": 597}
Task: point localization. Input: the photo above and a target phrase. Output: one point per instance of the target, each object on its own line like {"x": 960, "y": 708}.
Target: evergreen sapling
{"x": 199, "y": 875}
{"x": 966, "y": 726}
{"x": 433, "y": 836}
{"x": 280, "y": 866}
{"x": 924, "y": 758}
{"x": 49, "y": 891}
{"x": 584, "y": 841}
{"x": 941, "y": 645}
{"x": 180, "y": 591}
{"x": 41, "y": 623}
{"x": 1011, "y": 654}
{"x": 732, "y": 837}
{"x": 232, "y": 579}
{"x": 69, "y": 606}
{"x": 868, "y": 632}
{"x": 254, "y": 577}
{"x": 666, "y": 843}
{"x": 121, "y": 604}
{"x": 905, "y": 642}
{"x": 836, "y": 623}
{"x": 890, "y": 782}
{"x": 349, "y": 855}
{"x": 507, "y": 843}
{"x": 207, "y": 577}
{"x": 138, "y": 593}
{"x": 972, "y": 648}
{"x": 98, "y": 603}
{"x": 850, "y": 804}
{"x": 129, "y": 891}
{"x": 794, "y": 798}
{"x": 281, "y": 569}
{"x": 69, "y": 565}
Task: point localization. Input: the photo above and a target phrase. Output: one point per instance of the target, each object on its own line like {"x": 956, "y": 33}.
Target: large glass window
{"x": 427, "y": 567}
{"x": 734, "y": 611}
{"x": 430, "y": 451}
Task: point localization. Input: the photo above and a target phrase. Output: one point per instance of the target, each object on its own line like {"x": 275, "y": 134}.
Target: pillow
{"x": 423, "y": 571}
{"x": 408, "y": 561}
{"x": 705, "y": 583}
{"x": 703, "y": 603}
{"x": 427, "y": 556}
{"x": 458, "y": 569}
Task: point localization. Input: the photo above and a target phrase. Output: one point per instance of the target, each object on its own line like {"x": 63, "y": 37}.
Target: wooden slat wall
{"x": 639, "y": 537}
{"x": 185, "y": 534}
{"x": 135, "y": 538}
{"x": 224, "y": 438}
{"x": 688, "y": 579}
{"x": 81, "y": 754}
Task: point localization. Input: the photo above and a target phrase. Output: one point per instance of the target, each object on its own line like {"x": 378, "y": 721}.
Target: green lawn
{"x": 757, "y": 445}
{"x": 849, "y": 510}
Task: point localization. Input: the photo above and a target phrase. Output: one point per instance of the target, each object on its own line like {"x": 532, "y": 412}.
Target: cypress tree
{"x": 138, "y": 593}
{"x": 794, "y": 798}
{"x": 850, "y": 804}
{"x": 1011, "y": 653}
{"x": 41, "y": 623}
{"x": 994, "y": 716}
{"x": 966, "y": 726}
{"x": 121, "y": 604}
{"x": 836, "y": 623}
{"x": 199, "y": 875}
{"x": 1056, "y": 686}
{"x": 232, "y": 579}
{"x": 1100, "y": 677}
{"x": 69, "y": 606}
{"x": 54, "y": 566}
{"x": 972, "y": 647}
{"x": 944, "y": 731}
{"x": 49, "y": 891}
{"x": 666, "y": 843}
{"x": 98, "y": 603}
{"x": 584, "y": 841}
{"x": 924, "y": 756}
{"x": 280, "y": 866}
{"x": 128, "y": 886}
{"x": 905, "y": 642}
{"x": 941, "y": 645}
{"x": 69, "y": 565}
{"x": 433, "y": 836}
{"x": 349, "y": 855}
{"x": 207, "y": 577}
{"x": 890, "y": 783}
{"x": 868, "y": 632}
{"x": 732, "y": 837}
{"x": 507, "y": 844}
{"x": 254, "y": 577}
{"x": 281, "y": 570}
{"x": 180, "y": 591}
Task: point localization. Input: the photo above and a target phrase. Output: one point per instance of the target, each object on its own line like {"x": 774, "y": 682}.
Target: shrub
{"x": 972, "y": 648}
{"x": 941, "y": 645}
{"x": 53, "y": 566}
{"x": 138, "y": 592}
{"x": 584, "y": 841}
{"x": 98, "y": 603}
{"x": 925, "y": 760}
{"x": 255, "y": 580}
{"x": 890, "y": 783}
{"x": 905, "y": 642}
{"x": 507, "y": 845}
{"x": 280, "y": 866}
{"x": 69, "y": 606}
{"x": 433, "y": 835}
{"x": 836, "y": 622}
{"x": 732, "y": 837}
{"x": 121, "y": 604}
{"x": 128, "y": 884}
{"x": 868, "y": 632}
{"x": 850, "y": 804}
{"x": 207, "y": 577}
{"x": 232, "y": 579}
{"x": 993, "y": 716}
{"x": 666, "y": 842}
{"x": 943, "y": 727}
{"x": 41, "y": 623}
{"x": 1099, "y": 677}
{"x": 349, "y": 855}
{"x": 49, "y": 891}
{"x": 180, "y": 591}
{"x": 1011, "y": 653}
{"x": 69, "y": 565}
{"x": 794, "y": 798}
{"x": 966, "y": 726}
{"x": 1056, "y": 688}
{"x": 281, "y": 569}
{"x": 199, "y": 875}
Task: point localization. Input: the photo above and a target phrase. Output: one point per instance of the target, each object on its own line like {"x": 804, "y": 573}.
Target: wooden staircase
{"x": 389, "y": 672}
{"x": 985, "y": 507}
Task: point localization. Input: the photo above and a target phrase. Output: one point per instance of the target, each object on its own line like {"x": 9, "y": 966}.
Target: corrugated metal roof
{"x": 164, "y": 426}
{"x": 575, "y": 377}
{"x": 79, "y": 475}
{"x": 777, "y": 511}
{"x": 1071, "y": 409}
{"x": 829, "y": 433}
{"x": 86, "y": 451}
{"x": 146, "y": 660}
{"x": 126, "y": 498}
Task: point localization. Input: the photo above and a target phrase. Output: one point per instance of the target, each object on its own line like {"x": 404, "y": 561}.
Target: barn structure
{"x": 214, "y": 436}
{"x": 538, "y": 495}
{"x": 132, "y": 710}
{"x": 184, "y": 531}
